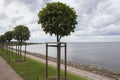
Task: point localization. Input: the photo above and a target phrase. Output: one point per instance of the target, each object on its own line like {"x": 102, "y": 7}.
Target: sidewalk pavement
{"x": 6, "y": 72}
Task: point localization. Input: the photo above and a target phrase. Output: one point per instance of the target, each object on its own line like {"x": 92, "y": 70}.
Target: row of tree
{"x": 56, "y": 18}
{"x": 20, "y": 33}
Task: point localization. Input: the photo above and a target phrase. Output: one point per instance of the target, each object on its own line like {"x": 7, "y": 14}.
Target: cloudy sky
{"x": 98, "y": 20}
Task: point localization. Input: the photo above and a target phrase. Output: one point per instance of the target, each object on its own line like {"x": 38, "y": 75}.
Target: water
{"x": 105, "y": 55}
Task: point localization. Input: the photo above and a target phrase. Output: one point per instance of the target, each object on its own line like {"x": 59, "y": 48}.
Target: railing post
{"x": 58, "y": 59}
{"x": 65, "y": 61}
{"x": 25, "y": 52}
{"x": 46, "y": 61}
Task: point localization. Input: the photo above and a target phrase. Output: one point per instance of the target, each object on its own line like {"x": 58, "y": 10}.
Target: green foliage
{"x": 57, "y": 18}
{"x": 2, "y": 38}
{"x": 9, "y": 36}
{"x": 32, "y": 69}
{"x": 21, "y": 33}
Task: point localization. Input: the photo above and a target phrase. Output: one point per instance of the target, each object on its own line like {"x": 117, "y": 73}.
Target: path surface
{"x": 83, "y": 73}
{"x": 6, "y": 72}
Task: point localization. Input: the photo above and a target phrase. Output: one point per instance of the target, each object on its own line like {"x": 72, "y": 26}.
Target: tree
{"x": 57, "y": 18}
{"x": 21, "y": 33}
{"x": 2, "y": 38}
{"x": 9, "y": 36}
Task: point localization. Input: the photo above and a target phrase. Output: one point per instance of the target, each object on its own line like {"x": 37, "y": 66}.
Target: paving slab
{"x": 6, "y": 72}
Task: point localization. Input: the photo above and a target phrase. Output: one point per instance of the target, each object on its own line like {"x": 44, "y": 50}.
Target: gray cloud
{"x": 99, "y": 22}
{"x": 96, "y": 18}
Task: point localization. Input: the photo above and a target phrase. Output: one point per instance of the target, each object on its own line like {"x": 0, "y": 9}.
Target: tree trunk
{"x": 12, "y": 47}
{"x": 6, "y": 48}
{"x": 58, "y": 57}
{"x": 20, "y": 50}
{"x": 57, "y": 38}
{"x": 25, "y": 52}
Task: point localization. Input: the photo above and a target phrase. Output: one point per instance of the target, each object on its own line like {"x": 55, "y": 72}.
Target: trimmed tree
{"x": 21, "y": 34}
{"x": 8, "y": 36}
{"x": 2, "y": 41}
{"x": 2, "y": 38}
{"x": 58, "y": 19}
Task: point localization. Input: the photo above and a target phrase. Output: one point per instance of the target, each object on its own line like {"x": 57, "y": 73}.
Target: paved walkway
{"x": 6, "y": 72}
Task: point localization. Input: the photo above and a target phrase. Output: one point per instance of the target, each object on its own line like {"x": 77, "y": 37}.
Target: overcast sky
{"x": 98, "y": 20}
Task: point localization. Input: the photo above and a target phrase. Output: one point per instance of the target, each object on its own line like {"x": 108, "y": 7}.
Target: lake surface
{"x": 105, "y": 55}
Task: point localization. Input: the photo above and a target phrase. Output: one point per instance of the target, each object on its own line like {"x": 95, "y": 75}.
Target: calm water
{"x": 98, "y": 54}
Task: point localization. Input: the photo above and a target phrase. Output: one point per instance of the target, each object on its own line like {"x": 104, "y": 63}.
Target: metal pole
{"x": 12, "y": 47}
{"x": 46, "y": 61}
{"x": 6, "y": 48}
{"x": 16, "y": 52}
{"x": 58, "y": 59}
{"x": 17, "y": 55}
{"x": 65, "y": 61}
{"x": 25, "y": 52}
{"x": 20, "y": 51}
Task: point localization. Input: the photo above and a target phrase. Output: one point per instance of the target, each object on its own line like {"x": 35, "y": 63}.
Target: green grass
{"x": 32, "y": 69}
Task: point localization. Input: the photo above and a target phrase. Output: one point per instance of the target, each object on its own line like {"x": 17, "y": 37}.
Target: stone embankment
{"x": 90, "y": 68}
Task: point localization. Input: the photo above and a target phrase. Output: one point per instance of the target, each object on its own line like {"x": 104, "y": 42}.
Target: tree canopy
{"x": 57, "y": 18}
{"x": 21, "y": 33}
{"x": 9, "y": 36}
{"x": 2, "y": 38}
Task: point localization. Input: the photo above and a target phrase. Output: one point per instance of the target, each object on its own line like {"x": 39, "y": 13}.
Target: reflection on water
{"x": 99, "y": 54}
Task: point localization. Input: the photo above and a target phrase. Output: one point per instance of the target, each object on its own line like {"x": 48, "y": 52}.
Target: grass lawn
{"x": 32, "y": 69}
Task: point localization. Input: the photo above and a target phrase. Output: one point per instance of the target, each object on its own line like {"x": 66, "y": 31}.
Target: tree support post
{"x": 58, "y": 60}
{"x": 59, "y": 45}
{"x": 46, "y": 61}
